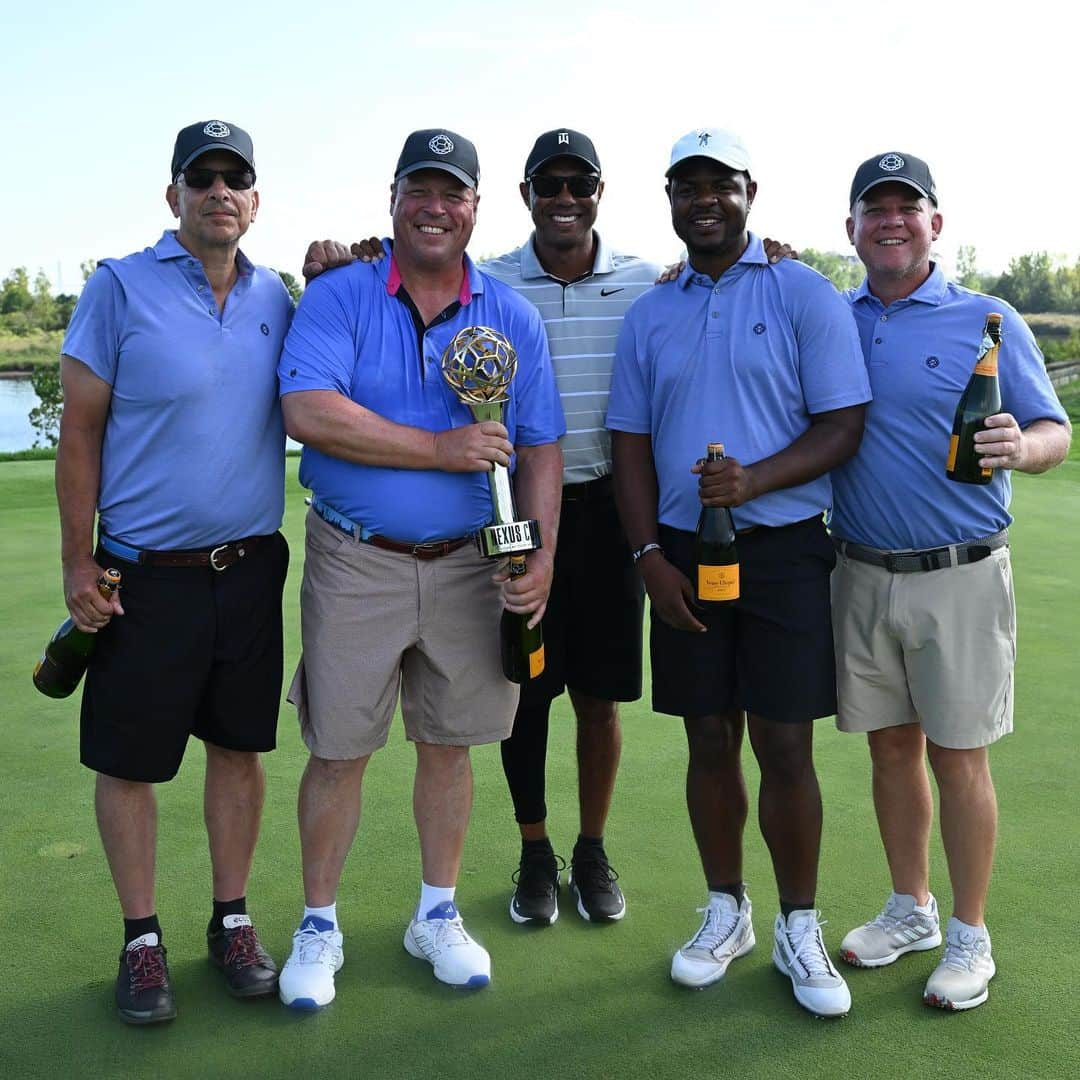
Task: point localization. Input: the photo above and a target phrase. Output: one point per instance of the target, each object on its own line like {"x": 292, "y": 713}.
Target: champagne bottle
{"x": 65, "y": 659}
{"x": 717, "y": 559}
{"x": 981, "y": 398}
{"x": 522, "y": 649}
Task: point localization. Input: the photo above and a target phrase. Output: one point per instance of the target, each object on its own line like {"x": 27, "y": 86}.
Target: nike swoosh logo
{"x": 609, "y": 292}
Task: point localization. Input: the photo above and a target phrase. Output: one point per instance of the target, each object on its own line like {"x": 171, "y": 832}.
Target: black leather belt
{"x": 600, "y": 488}
{"x": 939, "y": 558}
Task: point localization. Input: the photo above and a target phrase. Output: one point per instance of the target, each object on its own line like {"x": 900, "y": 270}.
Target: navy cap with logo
{"x": 207, "y": 135}
{"x": 561, "y": 142}
{"x": 893, "y": 167}
{"x": 439, "y": 148}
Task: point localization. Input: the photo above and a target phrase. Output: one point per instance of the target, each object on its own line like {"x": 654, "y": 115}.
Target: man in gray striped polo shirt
{"x": 592, "y": 626}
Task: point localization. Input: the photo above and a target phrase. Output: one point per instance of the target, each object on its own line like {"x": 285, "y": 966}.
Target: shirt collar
{"x": 603, "y": 260}
{"x": 931, "y": 291}
{"x": 168, "y": 247}
{"x": 754, "y": 255}
{"x": 471, "y": 282}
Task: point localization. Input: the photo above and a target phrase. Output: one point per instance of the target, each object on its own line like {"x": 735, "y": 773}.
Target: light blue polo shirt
{"x": 745, "y": 360}
{"x": 920, "y": 353}
{"x": 352, "y": 336}
{"x": 194, "y": 448}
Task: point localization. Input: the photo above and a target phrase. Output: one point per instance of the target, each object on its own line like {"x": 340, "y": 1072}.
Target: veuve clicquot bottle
{"x": 65, "y": 659}
{"x": 981, "y": 398}
{"x": 522, "y": 649}
{"x": 717, "y": 559}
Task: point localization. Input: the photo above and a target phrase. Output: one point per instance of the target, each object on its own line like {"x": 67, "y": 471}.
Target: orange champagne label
{"x": 954, "y": 445}
{"x": 988, "y": 364}
{"x": 718, "y": 582}
{"x": 536, "y": 663}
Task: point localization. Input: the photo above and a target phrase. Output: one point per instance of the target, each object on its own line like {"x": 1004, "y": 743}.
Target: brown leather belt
{"x": 431, "y": 549}
{"x": 220, "y": 557}
{"x": 434, "y": 549}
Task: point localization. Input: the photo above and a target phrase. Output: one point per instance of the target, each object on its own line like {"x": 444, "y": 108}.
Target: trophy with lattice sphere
{"x": 479, "y": 365}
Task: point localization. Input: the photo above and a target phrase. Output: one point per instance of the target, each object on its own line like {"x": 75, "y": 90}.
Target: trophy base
{"x": 508, "y": 538}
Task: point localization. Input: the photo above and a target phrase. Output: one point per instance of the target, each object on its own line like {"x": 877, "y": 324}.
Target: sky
{"x": 95, "y": 94}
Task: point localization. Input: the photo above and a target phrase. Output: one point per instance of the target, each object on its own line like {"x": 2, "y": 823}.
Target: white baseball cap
{"x": 715, "y": 143}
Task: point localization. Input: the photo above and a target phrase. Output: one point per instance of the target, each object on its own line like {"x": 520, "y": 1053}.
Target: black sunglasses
{"x": 235, "y": 179}
{"x": 579, "y": 185}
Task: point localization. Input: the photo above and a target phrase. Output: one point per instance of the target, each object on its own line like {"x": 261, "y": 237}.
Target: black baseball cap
{"x": 561, "y": 142}
{"x": 207, "y": 135}
{"x": 439, "y": 148}
{"x": 893, "y": 166}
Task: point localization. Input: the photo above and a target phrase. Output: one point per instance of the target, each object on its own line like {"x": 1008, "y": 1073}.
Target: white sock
{"x": 432, "y": 896}
{"x": 329, "y": 913}
{"x": 978, "y": 931}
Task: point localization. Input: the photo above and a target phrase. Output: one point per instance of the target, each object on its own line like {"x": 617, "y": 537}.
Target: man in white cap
{"x": 765, "y": 359}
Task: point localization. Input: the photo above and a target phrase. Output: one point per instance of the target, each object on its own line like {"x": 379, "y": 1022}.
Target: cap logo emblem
{"x": 217, "y": 130}
{"x": 703, "y": 138}
{"x": 441, "y": 144}
{"x": 891, "y": 163}
{"x": 564, "y": 138}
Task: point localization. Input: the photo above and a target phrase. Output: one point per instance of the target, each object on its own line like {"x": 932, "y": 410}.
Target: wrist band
{"x": 644, "y": 550}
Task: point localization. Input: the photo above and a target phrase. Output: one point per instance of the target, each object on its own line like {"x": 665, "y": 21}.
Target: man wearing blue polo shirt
{"x": 172, "y": 433}
{"x": 924, "y": 615}
{"x": 764, "y": 359}
{"x": 395, "y": 592}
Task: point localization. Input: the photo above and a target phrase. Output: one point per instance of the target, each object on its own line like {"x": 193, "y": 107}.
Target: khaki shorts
{"x": 936, "y": 648}
{"x": 373, "y": 621}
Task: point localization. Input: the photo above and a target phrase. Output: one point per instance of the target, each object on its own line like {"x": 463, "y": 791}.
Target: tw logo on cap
{"x": 441, "y": 144}
{"x": 891, "y": 163}
{"x": 217, "y": 129}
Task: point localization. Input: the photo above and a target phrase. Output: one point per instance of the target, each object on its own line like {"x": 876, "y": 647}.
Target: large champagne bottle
{"x": 717, "y": 559}
{"x": 65, "y": 659}
{"x": 522, "y": 649}
{"x": 981, "y": 398}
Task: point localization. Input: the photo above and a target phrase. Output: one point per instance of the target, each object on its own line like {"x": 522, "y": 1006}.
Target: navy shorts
{"x": 197, "y": 652}
{"x": 593, "y": 620}
{"x": 770, "y": 652}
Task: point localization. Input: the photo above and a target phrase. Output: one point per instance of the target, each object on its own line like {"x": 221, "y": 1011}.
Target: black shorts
{"x": 197, "y": 652}
{"x": 592, "y": 625}
{"x": 771, "y": 651}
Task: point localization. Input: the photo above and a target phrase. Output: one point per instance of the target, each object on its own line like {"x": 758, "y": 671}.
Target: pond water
{"x": 17, "y": 398}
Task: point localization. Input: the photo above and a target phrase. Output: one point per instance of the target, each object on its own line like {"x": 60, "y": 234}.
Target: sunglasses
{"x": 580, "y": 186}
{"x": 235, "y": 179}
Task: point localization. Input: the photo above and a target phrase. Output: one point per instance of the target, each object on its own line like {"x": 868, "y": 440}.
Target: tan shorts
{"x": 936, "y": 648}
{"x": 373, "y": 621}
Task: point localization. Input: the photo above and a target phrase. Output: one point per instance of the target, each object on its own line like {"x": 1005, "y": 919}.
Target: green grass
{"x": 22, "y": 352}
{"x": 572, "y": 1000}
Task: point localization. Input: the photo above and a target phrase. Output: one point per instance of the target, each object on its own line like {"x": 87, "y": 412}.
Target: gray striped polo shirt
{"x": 582, "y": 321}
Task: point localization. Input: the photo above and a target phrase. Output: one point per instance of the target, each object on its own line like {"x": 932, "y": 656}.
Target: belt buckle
{"x": 429, "y": 550}
{"x": 213, "y": 558}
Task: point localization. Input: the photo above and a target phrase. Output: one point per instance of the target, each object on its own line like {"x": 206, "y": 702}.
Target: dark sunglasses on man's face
{"x": 235, "y": 179}
{"x": 580, "y": 186}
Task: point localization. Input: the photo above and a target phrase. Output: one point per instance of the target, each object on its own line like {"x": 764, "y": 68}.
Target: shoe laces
{"x": 146, "y": 967}
{"x": 535, "y": 872}
{"x": 448, "y": 933}
{"x": 719, "y": 925}
{"x": 594, "y": 873}
{"x": 243, "y": 948}
{"x": 889, "y": 919}
{"x": 808, "y": 946}
{"x": 314, "y": 945}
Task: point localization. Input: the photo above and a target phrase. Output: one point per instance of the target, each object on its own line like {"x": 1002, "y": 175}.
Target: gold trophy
{"x": 479, "y": 365}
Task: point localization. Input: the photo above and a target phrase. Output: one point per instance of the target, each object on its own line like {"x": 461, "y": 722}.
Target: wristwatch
{"x": 644, "y": 550}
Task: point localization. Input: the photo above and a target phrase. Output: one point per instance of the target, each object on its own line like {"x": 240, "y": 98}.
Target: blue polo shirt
{"x": 194, "y": 448}
{"x": 745, "y": 360}
{"x": 920, "y": 353}
{"x": 352, "y": 335}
